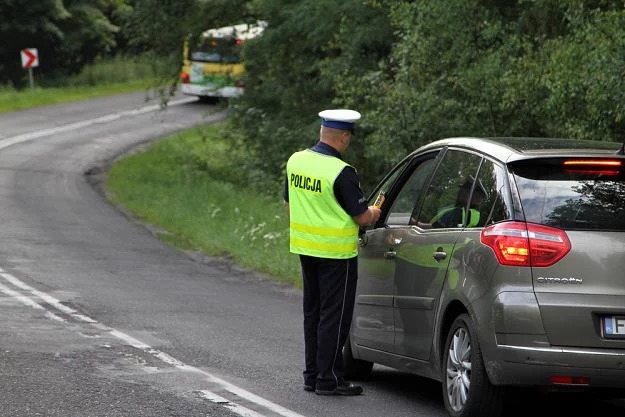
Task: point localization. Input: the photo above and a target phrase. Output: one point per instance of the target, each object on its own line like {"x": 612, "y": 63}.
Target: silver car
{"x": 496, "y": 263}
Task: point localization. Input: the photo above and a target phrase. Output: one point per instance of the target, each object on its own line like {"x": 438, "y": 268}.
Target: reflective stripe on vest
{"x": 319, "y": 226}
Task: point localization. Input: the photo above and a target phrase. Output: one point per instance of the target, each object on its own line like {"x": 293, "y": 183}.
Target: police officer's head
{"x": 337, "y": 127}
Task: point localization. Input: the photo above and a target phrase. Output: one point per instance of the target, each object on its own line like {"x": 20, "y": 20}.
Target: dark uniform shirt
{"x": 346, "y": 186}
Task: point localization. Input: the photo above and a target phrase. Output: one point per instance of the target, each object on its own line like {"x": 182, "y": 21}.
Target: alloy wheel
{"x": 459, "y": 369}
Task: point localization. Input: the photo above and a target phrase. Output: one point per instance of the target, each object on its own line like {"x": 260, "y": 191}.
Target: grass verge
{"x": 181, "y": 184}
{"x": 102, "y": 78}
{"x": 11, "y": 99}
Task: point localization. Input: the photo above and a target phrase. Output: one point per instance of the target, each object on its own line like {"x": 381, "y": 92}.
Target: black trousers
{"x": 329, "y": 291}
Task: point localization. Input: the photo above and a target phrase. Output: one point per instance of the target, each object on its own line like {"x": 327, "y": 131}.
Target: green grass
{"x": 102, "y": 78}
{"x": 11, "y": 99}
{"x": 177, "y": 184}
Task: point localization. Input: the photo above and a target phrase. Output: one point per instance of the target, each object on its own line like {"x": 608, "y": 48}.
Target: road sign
{"x": 30, "y": 57}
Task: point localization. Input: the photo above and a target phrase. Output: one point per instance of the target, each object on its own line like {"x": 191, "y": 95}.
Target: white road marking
{"x": 138, "y": 344}
{"x": 29, "y": 302}
{"x": 47, "y": 298}
{"x": 235, "y": 408}
{"x": 25, "y": 137}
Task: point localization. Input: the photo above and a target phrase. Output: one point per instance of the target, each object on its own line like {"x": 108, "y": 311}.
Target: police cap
{"x": 343, "y": 119}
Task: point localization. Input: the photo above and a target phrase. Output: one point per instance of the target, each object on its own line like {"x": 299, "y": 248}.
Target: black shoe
{"x": 309, "y": 387}
{"x": 343, "y": 388}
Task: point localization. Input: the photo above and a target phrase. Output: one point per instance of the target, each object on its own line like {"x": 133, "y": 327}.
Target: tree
{"x": 28, "y": 24}
{"x": 305, "y": 62}
{"x": 67, "y": 33}
{"x": 88, "y": 32}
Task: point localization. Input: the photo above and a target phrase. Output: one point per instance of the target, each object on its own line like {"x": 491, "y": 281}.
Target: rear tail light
{"x": 526, "y": 244}
{"x": 570, "y": 380}
{"x": 184, "y": 77}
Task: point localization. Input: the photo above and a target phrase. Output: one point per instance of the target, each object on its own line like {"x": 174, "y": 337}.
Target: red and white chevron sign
{"x": 30, "y": 58}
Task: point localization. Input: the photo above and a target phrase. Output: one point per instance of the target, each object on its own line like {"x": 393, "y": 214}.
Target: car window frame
{"x": 407, "y": 165}
{"x": 506, "y": 193}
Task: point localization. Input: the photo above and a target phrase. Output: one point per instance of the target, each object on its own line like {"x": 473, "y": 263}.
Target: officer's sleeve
{"x": 285, "y": 192}
{"x": 348, "y": 192}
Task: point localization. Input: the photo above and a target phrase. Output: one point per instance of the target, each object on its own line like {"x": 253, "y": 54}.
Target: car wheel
{"x": 208, "y": 99}
{"x": 354, "y": 368}
{"x": 467, "y": 391}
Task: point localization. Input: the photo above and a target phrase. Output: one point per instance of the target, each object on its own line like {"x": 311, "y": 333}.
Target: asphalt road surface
{"x": 100, "y": 318}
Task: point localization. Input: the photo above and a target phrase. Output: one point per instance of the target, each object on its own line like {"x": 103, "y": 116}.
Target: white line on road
{"x": 138, "y": 344}
{"x": 29, "y": 302}
{"x": 47, "y": 298}
{"x": 224, "y": 402}
{"x": 25, "y": 137}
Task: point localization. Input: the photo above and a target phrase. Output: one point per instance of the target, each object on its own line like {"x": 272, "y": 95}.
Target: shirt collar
{"x": 326, "y": 149}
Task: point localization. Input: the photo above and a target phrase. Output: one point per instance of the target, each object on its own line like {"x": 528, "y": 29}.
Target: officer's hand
{"x": 376, "y": 214}
{"x": 369, "y": 217}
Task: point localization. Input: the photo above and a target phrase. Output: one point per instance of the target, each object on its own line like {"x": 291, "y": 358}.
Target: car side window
{"x": 387, "y": 183}
{"x": 492, "y": 180}
{"x": 447, "y": 199}
{"x": 409, "y": 196}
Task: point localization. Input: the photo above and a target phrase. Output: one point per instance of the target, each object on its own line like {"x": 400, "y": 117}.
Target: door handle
{"x": 391, "y": 254}
{"x": 440, "y": 254}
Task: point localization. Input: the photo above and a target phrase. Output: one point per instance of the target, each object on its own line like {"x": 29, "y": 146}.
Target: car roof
{"x": 509, "y": 149}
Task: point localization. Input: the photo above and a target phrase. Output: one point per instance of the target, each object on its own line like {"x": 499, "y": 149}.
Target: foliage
{"x": 157, "y": 26}
{"x": 67, "y": 34}
{"x": 29, "y": 25}
{"x": 119, "y": 69}
{"x": 583, "y": 77}
{"x": 423, "y": 70}
{"x": 309, "y": 58}
{"x": 70, "y": 34}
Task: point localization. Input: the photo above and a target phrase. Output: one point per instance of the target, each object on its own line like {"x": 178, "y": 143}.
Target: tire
{"x": 208, "y": 99}
{"x": 355, "y": 369}
{"x": 467, "y": 391}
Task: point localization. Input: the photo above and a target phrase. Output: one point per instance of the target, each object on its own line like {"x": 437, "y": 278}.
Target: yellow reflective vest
{"x": 319, "y": 226}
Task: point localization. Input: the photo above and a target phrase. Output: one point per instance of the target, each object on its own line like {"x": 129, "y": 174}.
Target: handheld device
{"x": 379, "y": 200}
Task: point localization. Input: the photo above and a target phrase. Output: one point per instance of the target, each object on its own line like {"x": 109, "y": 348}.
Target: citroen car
{"x": 497, "y": 263}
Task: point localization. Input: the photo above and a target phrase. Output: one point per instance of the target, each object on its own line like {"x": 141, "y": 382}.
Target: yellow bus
{"x": 214, "y": 68}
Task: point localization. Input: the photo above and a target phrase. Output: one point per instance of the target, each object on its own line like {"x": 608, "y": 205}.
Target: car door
{"x": 423, "y": 255}
{"x": 373, "y": 319}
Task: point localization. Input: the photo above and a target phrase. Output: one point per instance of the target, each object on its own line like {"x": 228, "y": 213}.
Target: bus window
{"x": 218, "y": 50}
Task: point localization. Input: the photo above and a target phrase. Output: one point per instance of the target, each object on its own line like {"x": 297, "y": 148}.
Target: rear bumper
{"x": 517, "y": 350}
{"x": 208, "y": 91}
{"x": 522, "y": 365}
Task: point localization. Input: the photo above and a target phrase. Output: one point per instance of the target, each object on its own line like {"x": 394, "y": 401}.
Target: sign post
{"x": 30, "y": 59}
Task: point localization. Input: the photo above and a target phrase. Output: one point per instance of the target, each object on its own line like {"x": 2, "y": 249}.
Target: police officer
{"x": 326, "y": 205}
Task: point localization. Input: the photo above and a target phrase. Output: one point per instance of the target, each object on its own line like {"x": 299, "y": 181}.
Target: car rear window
{"x": 581, "y": 196}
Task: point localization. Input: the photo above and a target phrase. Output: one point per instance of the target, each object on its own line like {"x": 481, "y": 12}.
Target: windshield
{"x": 220, "y": 50}
{"x": 589, "y": 198}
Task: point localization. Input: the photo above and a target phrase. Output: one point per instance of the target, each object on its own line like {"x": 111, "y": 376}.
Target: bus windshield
{"x": 225, "y": 50}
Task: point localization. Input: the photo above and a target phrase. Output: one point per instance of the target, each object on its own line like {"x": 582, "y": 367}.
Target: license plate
{"x": 614, "y": 326}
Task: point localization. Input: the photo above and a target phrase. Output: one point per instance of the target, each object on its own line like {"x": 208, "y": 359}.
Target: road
{"x": 100, "y": 318}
